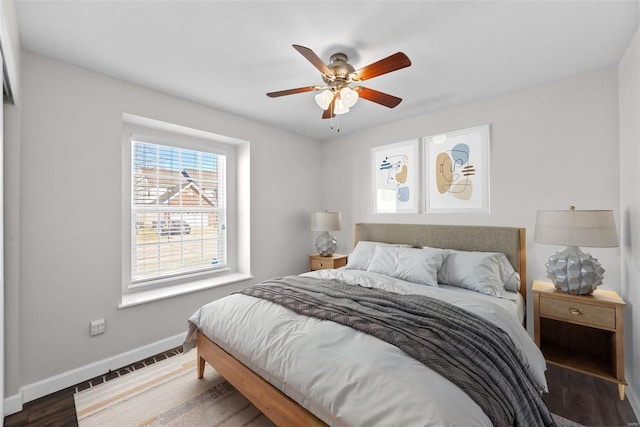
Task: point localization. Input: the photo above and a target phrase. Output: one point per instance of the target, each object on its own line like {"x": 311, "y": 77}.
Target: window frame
{"x": 237, "y": 209}
{"x": 214, "y": 149}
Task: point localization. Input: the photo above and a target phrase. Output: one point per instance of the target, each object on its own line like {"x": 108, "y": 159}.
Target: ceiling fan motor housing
{"x": 339, "y": 67}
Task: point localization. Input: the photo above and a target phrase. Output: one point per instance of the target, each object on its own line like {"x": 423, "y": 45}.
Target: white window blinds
{"x": 178, "y": 208}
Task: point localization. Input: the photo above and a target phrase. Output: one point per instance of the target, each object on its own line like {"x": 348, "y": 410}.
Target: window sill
{"x": 142, "y": 297}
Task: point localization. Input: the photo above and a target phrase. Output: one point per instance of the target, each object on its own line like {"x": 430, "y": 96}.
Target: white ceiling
{"x": 228, "y": 54}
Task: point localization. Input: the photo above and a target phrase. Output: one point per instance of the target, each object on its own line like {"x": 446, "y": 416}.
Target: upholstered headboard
{"x": 511, "y": 241}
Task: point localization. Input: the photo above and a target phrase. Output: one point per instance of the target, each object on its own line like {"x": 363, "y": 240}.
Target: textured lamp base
{"x": 574, "y": 272}
{"x": 326, "y": 244}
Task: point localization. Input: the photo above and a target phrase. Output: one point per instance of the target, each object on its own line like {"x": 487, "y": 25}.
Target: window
{"x": 178, "y": 209}
{"x": 186, "y": 216}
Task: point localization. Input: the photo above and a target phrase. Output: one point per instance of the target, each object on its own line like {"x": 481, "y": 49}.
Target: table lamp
{"x": 571, "y": 270}
{"x": 326, "y": 243}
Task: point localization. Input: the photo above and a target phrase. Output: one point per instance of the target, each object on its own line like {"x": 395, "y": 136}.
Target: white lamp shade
{"x": 339, "y": 107}
{"x": 576, "y": 228}
{"x": 326, "y": 221}
{"x": 348, "y": 96}
{"x": 324, "y": 98}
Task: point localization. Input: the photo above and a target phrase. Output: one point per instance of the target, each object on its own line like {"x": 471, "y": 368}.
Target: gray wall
{"x": 70, "y": 207}
{"x": 552, "y": 146}
{"x": 629, "y": 77}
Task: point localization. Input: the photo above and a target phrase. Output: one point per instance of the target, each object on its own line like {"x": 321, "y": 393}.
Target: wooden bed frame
{"x": 284, "y": 411}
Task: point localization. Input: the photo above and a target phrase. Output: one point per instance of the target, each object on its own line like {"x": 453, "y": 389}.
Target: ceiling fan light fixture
{"x": 324, "y": 98}
{"x": 336, "y": 97}
{"x": 340, "y": 108}
{"x": 348, "y": 96}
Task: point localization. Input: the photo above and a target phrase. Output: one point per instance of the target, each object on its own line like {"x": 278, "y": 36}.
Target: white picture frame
{"x": 395, "y": 177}
{"x": 457, "y": 172}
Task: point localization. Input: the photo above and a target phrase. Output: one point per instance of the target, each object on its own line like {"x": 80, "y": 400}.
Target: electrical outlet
{"x": 98, "y": 327}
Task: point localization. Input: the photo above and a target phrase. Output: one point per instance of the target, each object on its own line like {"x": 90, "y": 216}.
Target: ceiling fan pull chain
{"x": 337, "y": 116}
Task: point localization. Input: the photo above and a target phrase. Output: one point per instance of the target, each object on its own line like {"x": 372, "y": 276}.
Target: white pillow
{"x": 489, "y": 273}
{"x": 410, "y": 264}
{"x": 361, "y": 256}
{"x": 510, "y": 277}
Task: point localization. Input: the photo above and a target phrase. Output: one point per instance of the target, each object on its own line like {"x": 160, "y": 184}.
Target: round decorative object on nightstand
{"x": 574, "y": 272}
{"x": 326, "y": 244}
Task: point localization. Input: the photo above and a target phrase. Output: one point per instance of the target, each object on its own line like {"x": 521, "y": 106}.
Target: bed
{"x": 303, "y": 370}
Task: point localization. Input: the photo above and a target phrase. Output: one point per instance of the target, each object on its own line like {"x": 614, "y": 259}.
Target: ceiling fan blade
{"x": 390, "y": 63}
{"x": 378, "y": 97}
{"x": 328, "y": 113}
{"x": 291, "y": 91}
{"x": 314, "y": 59}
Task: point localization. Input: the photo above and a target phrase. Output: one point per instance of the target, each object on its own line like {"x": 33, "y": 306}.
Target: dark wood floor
{"x": 587, "y": 400}
{"x": 578, "y": 397}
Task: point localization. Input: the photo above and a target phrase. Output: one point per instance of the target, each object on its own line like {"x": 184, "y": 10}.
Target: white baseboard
{"x": 61, "y": 381}
{"x": 13, "y": 404}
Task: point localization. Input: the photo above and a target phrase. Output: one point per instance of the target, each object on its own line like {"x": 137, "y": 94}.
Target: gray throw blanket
{"x": 478, "y": 357}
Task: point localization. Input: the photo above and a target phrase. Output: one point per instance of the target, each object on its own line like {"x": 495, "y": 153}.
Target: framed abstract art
{"x": 456, "y": 170}
{"x": 395, "y": 177}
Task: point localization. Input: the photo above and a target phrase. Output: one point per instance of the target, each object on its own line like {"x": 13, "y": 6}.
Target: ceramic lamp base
{"x": 326, "y": 244}
{"x": 574, "y": 272}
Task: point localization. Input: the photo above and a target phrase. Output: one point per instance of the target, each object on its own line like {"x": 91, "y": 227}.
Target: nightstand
{"x": 584, "y": 333}
{"x": 319, "y": 262}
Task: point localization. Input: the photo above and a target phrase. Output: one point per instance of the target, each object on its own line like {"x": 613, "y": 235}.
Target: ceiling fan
{"x": 337, "y": 95}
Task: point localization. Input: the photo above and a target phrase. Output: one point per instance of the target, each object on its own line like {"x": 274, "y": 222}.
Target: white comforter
{"x": 348, "y": 378}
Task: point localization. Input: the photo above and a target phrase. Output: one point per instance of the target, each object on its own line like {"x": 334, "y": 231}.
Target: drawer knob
{"x": 574, "y": 311}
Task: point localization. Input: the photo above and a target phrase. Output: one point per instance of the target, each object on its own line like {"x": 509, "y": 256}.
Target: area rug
{"x": 167, "y": 393}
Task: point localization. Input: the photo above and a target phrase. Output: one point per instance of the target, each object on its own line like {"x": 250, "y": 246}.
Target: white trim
{"x": 154, "y": 294}
{"x": 13, "y": 404}
{"x": 67, "y": 379}
{"x": 153, "y": 124}
{"x": 2, "y": 380}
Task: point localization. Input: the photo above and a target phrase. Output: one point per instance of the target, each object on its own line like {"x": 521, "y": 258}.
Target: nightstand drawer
{"x": 587, "y": 314}
{"x": 320, "y": 264}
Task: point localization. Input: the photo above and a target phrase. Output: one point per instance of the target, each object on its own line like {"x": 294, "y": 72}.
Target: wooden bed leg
{"x": 201, "y": 363}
